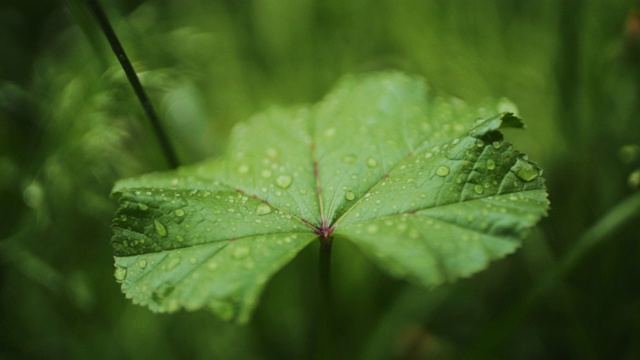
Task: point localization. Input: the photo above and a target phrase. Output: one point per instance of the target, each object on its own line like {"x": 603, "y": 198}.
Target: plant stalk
{"x": 144, "y": 100}
{"x": 325, "y": 339}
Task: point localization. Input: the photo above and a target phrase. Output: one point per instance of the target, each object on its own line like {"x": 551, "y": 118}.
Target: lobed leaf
{"x": 424, "y": 185}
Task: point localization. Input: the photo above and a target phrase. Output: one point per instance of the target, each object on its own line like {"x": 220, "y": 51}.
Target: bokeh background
{"x": 70, "y": 127}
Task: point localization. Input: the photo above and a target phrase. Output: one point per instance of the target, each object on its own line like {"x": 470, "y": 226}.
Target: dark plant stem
{"x": 326, "y": 245}
{"x": 325, "y": 313}
{"x": 118, "y": 50}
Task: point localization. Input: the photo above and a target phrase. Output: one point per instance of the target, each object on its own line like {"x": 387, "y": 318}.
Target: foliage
{"x": 70, "y": 128}
{"x": 374, "y": 163}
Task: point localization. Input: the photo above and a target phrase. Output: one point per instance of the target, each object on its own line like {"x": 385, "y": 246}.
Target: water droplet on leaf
{"x": 442, "y": 170}
{"x": 349, "y": 195}
{"x": 143, "y": 207}
{"x": 120, "y": 273}
{"x": 243, "y": 169}
{"x": 265, "y": 173}
{"x": 160, "y": 228}
{"x": 241, "y": 252}
{"x": 491, "y": 164}
{"x": 284, "y": 181}
{"x": 371, "y": 162}
{"x": 263, "y": 209}
{"x": 179, "y": 212}
{"x": 271, "y": 152}
{"x": 173, "y": 263}
{"x": 349, "y": 159}
{"x": 330, "y": 132}
{"x": 478, "y": 189}
{"x": 525, "y": 170}
{"x": 142, "y": 264}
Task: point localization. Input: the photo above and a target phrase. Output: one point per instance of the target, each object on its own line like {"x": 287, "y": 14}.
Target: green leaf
{"x": 424, "y": 185}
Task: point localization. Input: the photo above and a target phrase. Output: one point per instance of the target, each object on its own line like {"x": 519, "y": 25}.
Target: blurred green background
{"x": 70, "y": 127}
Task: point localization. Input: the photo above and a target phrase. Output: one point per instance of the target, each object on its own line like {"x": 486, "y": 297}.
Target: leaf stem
{"x": 144, "y": 100}
{"x": 325, "y": 313}
{"x": 326, "y": 244}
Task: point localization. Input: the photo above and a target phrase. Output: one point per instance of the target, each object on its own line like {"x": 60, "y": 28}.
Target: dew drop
{"x": 496, "y": 145}
{"x": 442, "y": 170}
{"x": 349, "y": 159}
{"x": 143, "y": 207}
{"x": 263, "y": 209}
{"x": 349, "y": 195}
{"x": 212, "y": 265}
{"x": 284, "y": 181}
{"x": 479, "y": 143}
{"x": 478, "y": 189}
{"x": 372, "y": 229}
{"x": 371, "y": 162}
{"x": 243, "y": 169}
{"x": 525, "y": 170}
{"x": 123, "y": 217}
{"x": 160, "y": 228}
{"x": 303, "y": 192}
{"x": 142, "y": 264}
{"x": 271, "y": 152}
{"x": 491, "y": 164}
{"x": 173, "y": 263}
{"x": 241, "y": 252}
{"x": 193, "y": 260}
{"x": 179, "y": 213}
{"x": 265, "y": 173}
{"x": 179, "y": 238}
{"x": 120, "y": 273}
{"x": 330, "y": 132}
